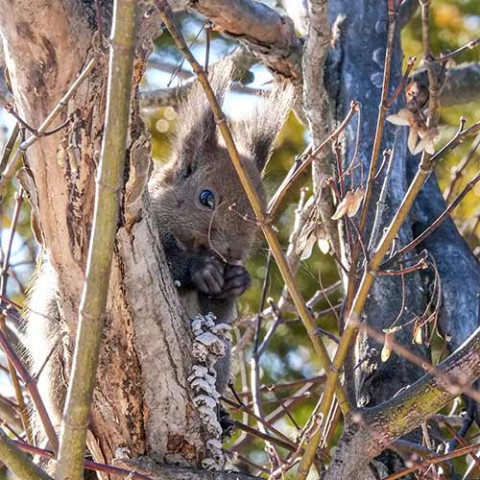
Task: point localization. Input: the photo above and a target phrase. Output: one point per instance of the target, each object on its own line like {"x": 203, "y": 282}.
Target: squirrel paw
{"x": 237, "y": 280}
{"x": 207, "y": 275}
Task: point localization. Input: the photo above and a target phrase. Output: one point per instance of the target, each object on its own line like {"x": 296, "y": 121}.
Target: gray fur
{"x": 42, "y": 337}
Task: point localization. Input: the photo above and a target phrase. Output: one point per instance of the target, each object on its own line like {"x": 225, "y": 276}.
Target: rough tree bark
{"x": 359, "y": 76}
{"x": 142, "y": 403}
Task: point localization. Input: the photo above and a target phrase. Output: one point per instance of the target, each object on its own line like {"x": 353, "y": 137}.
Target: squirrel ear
{"x": 195, "y": 139}
{"x": 197, "y": 130}
{"x": 256, "y": 135}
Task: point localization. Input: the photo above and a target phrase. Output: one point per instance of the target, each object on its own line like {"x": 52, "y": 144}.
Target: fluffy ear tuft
{"x": 256, "y": 135}
{"x": 197, "y": 130}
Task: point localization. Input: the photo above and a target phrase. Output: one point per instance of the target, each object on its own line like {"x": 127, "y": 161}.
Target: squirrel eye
{"x": 207, "y": 198}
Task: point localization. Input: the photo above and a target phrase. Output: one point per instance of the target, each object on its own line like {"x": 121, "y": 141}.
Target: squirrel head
{"x": 197, "y": 196}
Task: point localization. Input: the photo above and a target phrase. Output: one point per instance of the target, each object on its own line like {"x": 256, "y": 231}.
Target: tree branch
{"x": 319, "y": 112}
{"x": 461, "y": 84}
{"x": 381, "y": 425}
{"x": 270, "y": 36}
{"x": 154, "y": 471}
{"x": 19, "y": 462}
{"x": 254, "y": 200}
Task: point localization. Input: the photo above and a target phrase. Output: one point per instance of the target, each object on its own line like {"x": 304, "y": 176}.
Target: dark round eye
{"x": 207, "y": 198}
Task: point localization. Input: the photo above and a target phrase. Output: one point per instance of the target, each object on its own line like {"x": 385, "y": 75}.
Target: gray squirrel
{"x": 199, "y": 207}
{"x": 202, "y": 211}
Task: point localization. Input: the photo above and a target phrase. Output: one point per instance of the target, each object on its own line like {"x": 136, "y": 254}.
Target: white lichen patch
{"x": 210, "y": 344}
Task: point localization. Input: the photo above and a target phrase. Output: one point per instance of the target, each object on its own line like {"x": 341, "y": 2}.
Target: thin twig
{"x": 7, "y": 149}
{"x": 426, "y": 366}
{"x": 433, "y": 461}
{"x": 32, "y": 390}
{"x": 264, "y": 436}
{"x": 3, "y": 290}
{"x": 372, "y": 172}
{"x": 318, "y": 379}
{"x": 459, "y": 170}
{"x": 425, "y": 167}
{"x": 457, "y": 139}
{"x": 383, "y": 108}
{"x": 458, "y": 436}
{"x": 468, "y": 46}
{"x": 18, "y": 462}
{"x": 433, "y": 83}
{"x": 401, "y": 86}
{"x": 303, "y": 162}
{"x": 89, "y": 464}
{"x": 62, "y": 103}
{"x": 436, "y": 223}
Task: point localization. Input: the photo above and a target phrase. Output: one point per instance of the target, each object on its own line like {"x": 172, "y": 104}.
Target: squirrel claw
{"x": 207, "y": 276}
{"x": 237, "y": 280}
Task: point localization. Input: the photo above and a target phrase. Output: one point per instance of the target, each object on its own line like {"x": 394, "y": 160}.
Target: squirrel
{"x": 199, "y": 207}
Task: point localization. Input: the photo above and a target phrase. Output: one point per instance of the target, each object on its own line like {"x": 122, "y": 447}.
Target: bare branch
{"x": 255, "y": 201}
{"x": 18, "y": 462}
{"x": 374, "y": 429}
{"x": 267, "y": 34}
{"x": 319, "y": 112}
{"x": 32, "y": 390}
{"x": 461, "y": 84}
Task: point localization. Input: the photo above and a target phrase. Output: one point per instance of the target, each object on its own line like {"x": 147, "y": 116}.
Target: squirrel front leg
{"x": 193, "y": 270}
{"x": 202, "y": 271}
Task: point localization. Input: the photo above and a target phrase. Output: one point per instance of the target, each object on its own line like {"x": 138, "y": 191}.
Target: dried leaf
{"x": 303, "y": 239}
{"x": 356, "y": 201}
{"x": 412, "y": 140}
{"x": 416, "y": 123}
{"x": 342, "y": 208}
{"x": 349, "y": 205}
{"x": 418, "y": 334}
{"x": 428, "y": 137}
{"x": 307, "y": 250}
{"x": 403, "y": 118}
{"x": 387, "y": 346}
{"x": 424, "y": 145}
{"x": 323, "y": 245}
